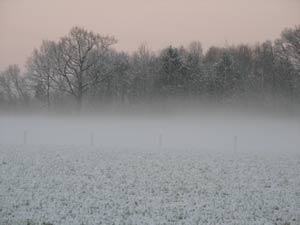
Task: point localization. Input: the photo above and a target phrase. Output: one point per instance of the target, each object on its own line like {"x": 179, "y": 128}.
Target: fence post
{"x": 235, "y": 144}
{"x": 92, "y": 139}
{"x": 25, "y": 137}
{"x": 160, "y": 141}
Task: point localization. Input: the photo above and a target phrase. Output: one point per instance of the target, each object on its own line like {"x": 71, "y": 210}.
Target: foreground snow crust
{"x": 69, "y": 185}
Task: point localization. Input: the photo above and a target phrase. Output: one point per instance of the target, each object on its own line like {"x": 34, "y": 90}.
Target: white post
{"x": 92, "y": 139}
{"x": 235, "y": 144}
{"x": 25, "y": 137}
{"x": 160, "y": 141}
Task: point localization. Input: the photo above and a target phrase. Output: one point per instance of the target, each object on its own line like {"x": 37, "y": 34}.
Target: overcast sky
{"x": 25, "y": 23}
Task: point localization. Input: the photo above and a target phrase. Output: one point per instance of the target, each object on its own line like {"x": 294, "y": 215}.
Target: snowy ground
{"x": 84, "y": 185}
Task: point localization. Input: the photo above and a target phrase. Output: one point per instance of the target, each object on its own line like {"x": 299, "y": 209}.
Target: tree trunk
{"x": 79, "y": 102}
{"x": 48, "y": 92}
{"x": 80, "y": 92}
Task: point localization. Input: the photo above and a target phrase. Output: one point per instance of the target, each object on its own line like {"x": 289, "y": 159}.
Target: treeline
{"x": 83, "y": 70}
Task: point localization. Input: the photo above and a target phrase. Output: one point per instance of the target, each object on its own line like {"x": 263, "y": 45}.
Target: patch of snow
{"x": 83, "y": 185}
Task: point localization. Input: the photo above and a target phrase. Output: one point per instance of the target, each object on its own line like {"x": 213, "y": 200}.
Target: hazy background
{"x": 25, "y": 23}
{"x": 201, "y": 132}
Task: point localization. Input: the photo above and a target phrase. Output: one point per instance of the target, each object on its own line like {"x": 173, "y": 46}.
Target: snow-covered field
{"x": 70, "y": 185}
{"x": 149, "y": 170}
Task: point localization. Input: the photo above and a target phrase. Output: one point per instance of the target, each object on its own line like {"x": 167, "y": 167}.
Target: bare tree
{"x": 143, "y": 71}
{"x": 13, "y": 86}
{"x": 78, "y": 53}
{"x": 41, "y": 71}
{"x": 71, "y": 65}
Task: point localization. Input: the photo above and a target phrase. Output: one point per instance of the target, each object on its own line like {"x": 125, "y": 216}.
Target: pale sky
{"x": 25, "y": 23}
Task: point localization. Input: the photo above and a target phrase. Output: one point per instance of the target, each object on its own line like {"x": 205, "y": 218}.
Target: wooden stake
{"x": 160, "y": 141}
{"x": 235, "y": 144}
{"x": 25, "y": 137}
{"x": 92, "y": 139}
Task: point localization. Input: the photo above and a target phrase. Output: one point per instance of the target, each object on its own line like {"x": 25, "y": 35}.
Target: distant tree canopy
{"x": 82, "y": 69}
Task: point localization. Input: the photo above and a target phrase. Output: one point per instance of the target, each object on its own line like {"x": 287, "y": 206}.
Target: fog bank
{"x": 203, "y": 132}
